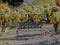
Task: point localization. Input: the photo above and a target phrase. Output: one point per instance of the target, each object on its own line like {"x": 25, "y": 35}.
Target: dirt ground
{"x": 29, "y": 36}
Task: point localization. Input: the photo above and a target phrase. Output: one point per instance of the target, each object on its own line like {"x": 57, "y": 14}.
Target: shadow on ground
{"x": 45, "y": 43}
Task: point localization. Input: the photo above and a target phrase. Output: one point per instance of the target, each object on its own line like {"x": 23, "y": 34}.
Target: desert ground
{"x": 34, "y": 36}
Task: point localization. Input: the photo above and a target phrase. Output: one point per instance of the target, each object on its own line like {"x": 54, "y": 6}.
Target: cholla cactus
{"x": 57, "y": 16}
{"x": 56, "y": 21}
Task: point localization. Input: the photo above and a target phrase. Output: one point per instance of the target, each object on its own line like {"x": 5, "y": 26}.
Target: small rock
{"x": 6, "y": 30}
